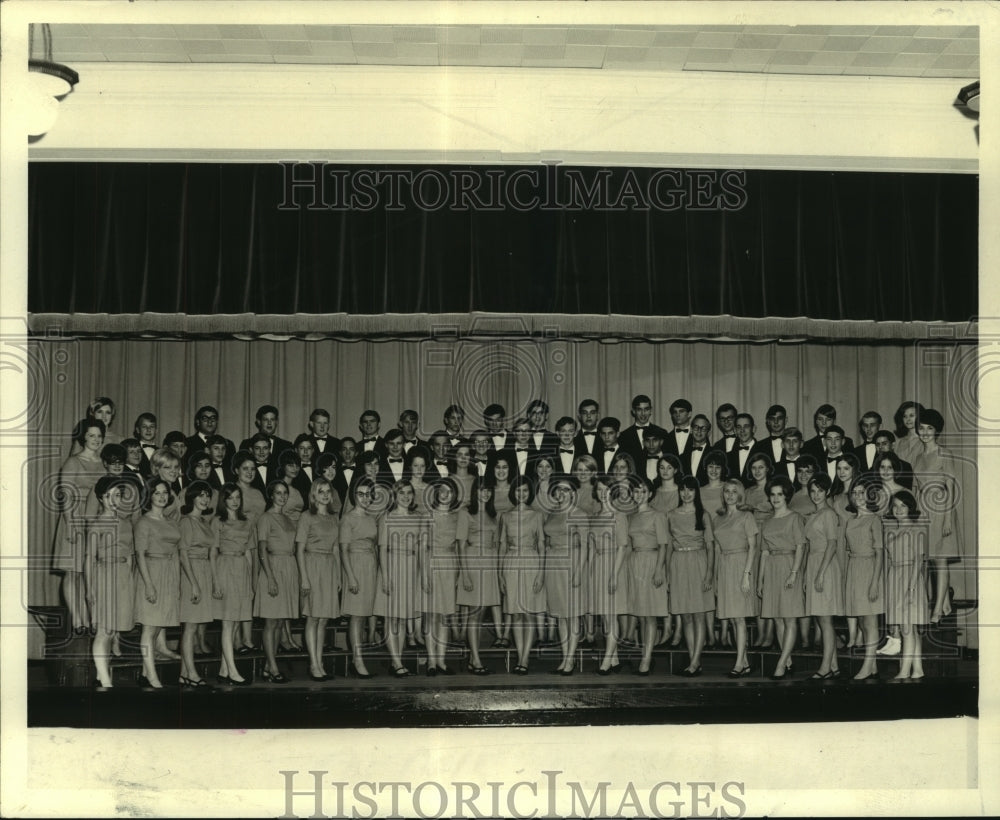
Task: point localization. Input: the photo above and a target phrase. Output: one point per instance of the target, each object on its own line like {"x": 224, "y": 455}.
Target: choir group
{"x": 642, "y": 535}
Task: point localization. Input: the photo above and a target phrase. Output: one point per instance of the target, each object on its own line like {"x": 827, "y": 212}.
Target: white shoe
{"x": 891, "y": 647}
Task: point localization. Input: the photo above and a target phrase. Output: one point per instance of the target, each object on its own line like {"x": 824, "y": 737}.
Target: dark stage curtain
{"x": 203, "y": 239}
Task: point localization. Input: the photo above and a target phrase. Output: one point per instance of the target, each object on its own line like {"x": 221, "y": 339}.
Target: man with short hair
{"x": 825, "y": 415}
{"x": 833, "y": 440}
{"x": 680, "y": 416}
{"x": 454, "y": 421}
{"x": 772, "y": 445}
{"x": 587, "y": 440}
{"x": 542, "y": 440}
{"x": 494, "y": 417}
{"x": 738, "y": 459}
{"x": 265, "y": 466}
{"x": 652, "y": 445}
{"x": 791, "y": 452}
{"x": 885, "y": 442}
{"x": 176, "y": 443}
{"x": 222, "y": 463}
{"x": 630, "y": 439}
{"x": 693, "y": 458}
{"x": 607, "y": 429}
{"x": 369, "y": 424}
{"x": 266, "y": 422}
{"x": 346, "y": 468}
{"x": 523, "y": 446}
{"x": 409, "y": 424}
{"x": 567, "y": 449}
{"x": 725, "y": 420}
{"x": 206, "y": 425}
{"x": 391, "y": 464}
{"x": 866, "y": 451}
{"x": 441, "y": 448}
{"x": 145, "y": 432}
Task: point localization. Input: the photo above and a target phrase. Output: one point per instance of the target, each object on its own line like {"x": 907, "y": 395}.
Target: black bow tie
{"x": 395, "y": 461}
{"x": 149, "y": 447}
{"x": 832, "y": 460}
{"x": 681, "y": 430}
{"x": 730, "y": 435}
{"x": 410, "y": 441}
{"x": 520, "y": 449}
{"x": 744, "y": 446}
{"x": 343, "y": 467}
{"x": 368, "y": 438}
{"x": 698, "y": 447}
{"x": 590, "y": 432}
{"x": 565, "y": 450}
{"x": 652, "y": 458}
{"x": 440, "y": 463}
{"x": 481, "y": 459}
{"x": 776, "y": 438}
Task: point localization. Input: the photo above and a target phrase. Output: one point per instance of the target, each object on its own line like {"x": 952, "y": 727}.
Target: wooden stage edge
{"x": 950, "y": 689}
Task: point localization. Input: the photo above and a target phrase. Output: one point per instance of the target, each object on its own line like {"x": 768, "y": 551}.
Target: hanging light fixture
{"x": 48, "y": 82}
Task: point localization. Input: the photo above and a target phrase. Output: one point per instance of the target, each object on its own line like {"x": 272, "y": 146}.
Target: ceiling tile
{"x": 632, "y": 37}
{"x": 754, "y": 40}
{"x": 832, "y": 58}
{"x": 955, "y": 61}
{"x": 667, "y": 56}
{"x": 544, "y": 36}
{"x": 672, "y": 39}
{"x": 838, "y": 43}
{"x": 370, "y": 51}
{"x": 722, "y": 39}
{"x": 494, "y": 34}
{"x": 949, "y": 32}
{"x": 289, "y": 47}
{"x": 337, "y": 33}
{"x": 709, "y": 55}
{"x": 914, "y": 60}
{"x": 456, "y": 52}
{"x": 589, "y": 36}
{"x": 790, "y": 58}
{"x": 414, "y": 34}
{"x": 154, "y": 32}
{"x": 535, "y": 52}
{"x": 417, "y": 53}
{"x": 868, "y": 59}
{"x": 886, "y": 44}
{"x": 243, "y": 47}
{"x": 802, "y": 42}
{"x": 962, "y": 47}
{"x": 896, "y": 31}
{"x": 243, "y": 58}
{"x": 586, "y": 56}
{"x": 926, "y": 44}
{"x": 779, "y": 68}
{"x": 458, "y": 34}
{"x": 150, "y": 46}
{"x": 500, "y": 54}
{"x": 197, "y": 32}
{"x": 371, "y": 34}
{"x": 624, "y": 54}
{"x": 195, "y": 48}
{"x": 338, "y": 52}
{"x": 240, "y": 33}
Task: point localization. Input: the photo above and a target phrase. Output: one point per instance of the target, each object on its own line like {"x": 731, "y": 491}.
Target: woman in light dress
{"x": 824, "y": 572}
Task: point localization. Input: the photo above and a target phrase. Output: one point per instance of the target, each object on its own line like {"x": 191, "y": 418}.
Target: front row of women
{"x": 387, "y": 557}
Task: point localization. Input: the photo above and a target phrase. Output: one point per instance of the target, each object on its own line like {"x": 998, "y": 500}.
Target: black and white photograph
{"x": 497, "y": 409}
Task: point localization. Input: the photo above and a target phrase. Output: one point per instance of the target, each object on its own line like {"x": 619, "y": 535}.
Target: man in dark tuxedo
{"x": 409, "y": 424}
{"x": 222, "y": 462}
{"x": 176, "y": 443}
{"x": 454, "y": 421}
{"x": 630, "y": 439}
{"x": 440, "y": 465}
{"x": 266, "y": 421}
{"x": 145, "y": 432}
{"x": 680, "y": 416}
{"x": 587, "y": 440}
{"x": 791, "y": 452}
{"x": 542, "y": 440}
{"x": 725, "y": 420}
{"x": 523, "y": 447}
{"x": 833, "y": 439}
{"x": 739, "y": 457}
{"x": 133, "y": 458}
{"x": 391, "y": 464}
{"x": 653, "y": 450}
{"x": 866, "y": 451}
{"x": 885, "y": 443}
{"x": 206, "y": 425}
{"x": 265, "y": 464}
{"x": 567, "y": 448}
{"x": 348, "y": 470}
{"x": 823, "y": 418}
{"x": 775, "y": 421}
{"x": 306, "y": 451}
{"x": 369, "y": 425}
{"x": 319, "y": 434}
{"x": 483, "y": 454}
{"x": 608, "y": 429}
{"x": 693, "y": 458}
{"x": 494, "y": 418}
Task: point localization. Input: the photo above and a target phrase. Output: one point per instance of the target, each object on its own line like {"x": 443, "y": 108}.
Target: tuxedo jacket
{"x": 145, "y": 468}
{"x": 580, "y": 442}
{"x": 331, "y": 444}
{"x": 228, "y": 476}
{"x": 815, "y": 448}
{"x": 196, "y": 444}
{"x": 378, "y": 446}
{"x": 720, "y": 444}
{"x": 866, "y": 465}
{"x": 385, "y": 469}
{"x": 670, "y": 443}
{"x": 701, "y": 474}
{"x": 508, "y": 443}
{"x": 630, "y": 442}
{"x": 303, "y": 484}
{"x": 781, "y": 468}
{"x": 550, "y": 442}
{"x": 733, "y": 463}
{"x": 558, "y": 462}
{"x": 271, "y": 473}
{"x": 341, "y": 485}
{"x": 278, "y": 446}
{"x": 764, "y": 446}
{"x": 601, "y": 468}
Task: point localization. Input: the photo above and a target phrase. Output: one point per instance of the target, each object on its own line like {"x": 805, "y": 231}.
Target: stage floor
{"x": 950, "y": 689}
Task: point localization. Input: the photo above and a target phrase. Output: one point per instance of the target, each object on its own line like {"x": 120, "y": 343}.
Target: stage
{"x": 61, "y": 691}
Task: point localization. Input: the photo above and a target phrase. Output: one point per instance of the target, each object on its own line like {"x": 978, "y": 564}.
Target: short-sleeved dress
{"x": 76, "y": 479}
{"x": 464, "y": 483}
{"x": 666, "y": 498}
{"x": 296, "y": 504}
{"x": 442, "y": 553}
{"x": 197, "y": 538}
{"x": 114, "y": 574}
{"x": 902, "y": 539}
{"x": 822, "y": 527}
{"x": 233, "y": 568}
{"x": 253, "y": 503}
{"x": 318, "y": 534}
{"x": 358, "y": 534}
{"x": 482, "y": 559}
{"x": 158, "y": 540}
{"x": 711, "y": 499}
{"x": 401, "y": 533}
{"x": 278, "y": 530}
{"x": 521, "y": 561}
{"x": 647, "y": 530}
{"x": 689, "y": 562}
{"x": 801, "y": 503}
{"x": 735, "y": 534}
{"x": 937, "y": 492}
{"x": 565, "y": 539}
{"x": 608, "y": 535}
{"x": 863, "y": 536}
{"x": 779, "y": 537}
{"x": 501, "y": 501}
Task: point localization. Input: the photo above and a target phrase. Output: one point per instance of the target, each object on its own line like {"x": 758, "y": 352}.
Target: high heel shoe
{"x": 478, "y": 670}
{"x": 273, "y": 678}
{"x": 146, "y": 686}
{"x": 320, "y": 678}
{"x": 645, "y": 674}
{"x": 400, "y": 671}
{"x": 869, "y": 676}
{"x": 690, "y": 673}
{"x": 738, "y": 673}
{"x": 359, "y": 673}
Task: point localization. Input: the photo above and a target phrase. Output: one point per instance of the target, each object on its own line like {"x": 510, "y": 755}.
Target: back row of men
{"x": 525, "y": 442}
